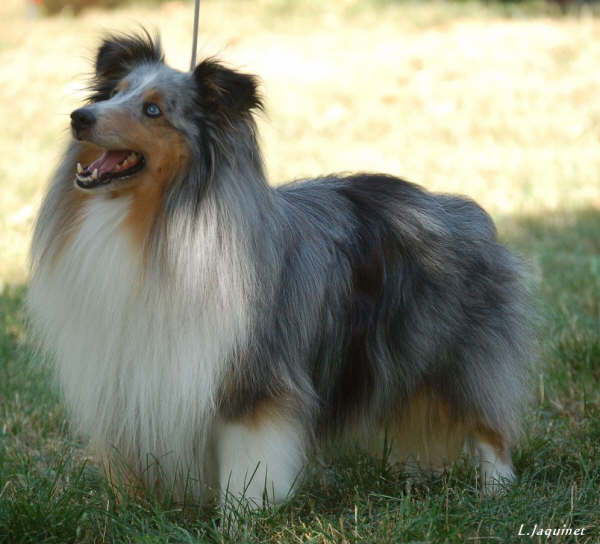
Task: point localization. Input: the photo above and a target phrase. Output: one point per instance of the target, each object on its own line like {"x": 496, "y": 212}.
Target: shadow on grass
{"x": 565, "y": 250}
{"x": 49, "y": 491}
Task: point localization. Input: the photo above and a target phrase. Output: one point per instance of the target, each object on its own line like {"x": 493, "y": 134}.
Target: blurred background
{"x": 498, "y": 101}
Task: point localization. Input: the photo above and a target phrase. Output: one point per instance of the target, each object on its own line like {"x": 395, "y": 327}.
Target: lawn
{"x": 497, "y": 103}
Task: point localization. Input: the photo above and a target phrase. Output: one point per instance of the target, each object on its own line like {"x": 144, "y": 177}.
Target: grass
{"x": 458, "y": 97}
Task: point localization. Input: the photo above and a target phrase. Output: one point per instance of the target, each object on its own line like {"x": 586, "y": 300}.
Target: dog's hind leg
{"x": 424, "y": 434}
{"x": 492, "y": 452}
{"x": 427, "y": 437}
{"x": 260, "y": 458}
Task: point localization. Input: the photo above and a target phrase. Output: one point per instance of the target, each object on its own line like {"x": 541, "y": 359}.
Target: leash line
{"x": 195, "y": 42}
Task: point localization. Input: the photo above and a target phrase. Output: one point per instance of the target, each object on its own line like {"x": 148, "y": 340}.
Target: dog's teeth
{"x": 79, "y": 168}
{"x": 95, "y": 174}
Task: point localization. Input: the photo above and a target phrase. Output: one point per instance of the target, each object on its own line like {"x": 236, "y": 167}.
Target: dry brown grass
{"x": 506, "y": 111}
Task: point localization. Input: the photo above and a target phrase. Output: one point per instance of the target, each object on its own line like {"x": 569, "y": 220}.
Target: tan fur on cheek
{"x": 165, "y": 153}
{"x": 168, "y": 156}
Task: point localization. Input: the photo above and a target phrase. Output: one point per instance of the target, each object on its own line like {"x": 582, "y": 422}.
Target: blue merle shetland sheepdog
{"x": 211, "y": 332}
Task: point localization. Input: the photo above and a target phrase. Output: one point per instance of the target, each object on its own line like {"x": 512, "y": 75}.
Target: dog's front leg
{"x": 260, "y": 460}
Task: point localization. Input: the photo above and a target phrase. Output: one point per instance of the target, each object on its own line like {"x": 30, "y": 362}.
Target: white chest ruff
{"x": 138, "y": 361}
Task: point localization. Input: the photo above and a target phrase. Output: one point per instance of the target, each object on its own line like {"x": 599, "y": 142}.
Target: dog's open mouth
{"x": 112, "y": 164}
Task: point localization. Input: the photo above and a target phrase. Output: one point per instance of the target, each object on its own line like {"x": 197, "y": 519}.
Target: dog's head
{"x": 145, "y": 120}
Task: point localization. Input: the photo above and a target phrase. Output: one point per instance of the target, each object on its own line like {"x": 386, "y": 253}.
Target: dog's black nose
{"x": 81, "y": 120}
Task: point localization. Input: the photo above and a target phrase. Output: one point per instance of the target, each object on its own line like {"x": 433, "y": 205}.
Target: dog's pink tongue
{"x": 108, "y": 161}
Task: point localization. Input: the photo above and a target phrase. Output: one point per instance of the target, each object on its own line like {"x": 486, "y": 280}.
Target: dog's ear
{"x": 117, "y": 56}
{"x": 226, "y": 91}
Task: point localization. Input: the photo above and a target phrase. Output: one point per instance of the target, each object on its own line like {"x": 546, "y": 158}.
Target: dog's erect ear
{"x": 117, "y": 56}
{"x": 226, "y": 91}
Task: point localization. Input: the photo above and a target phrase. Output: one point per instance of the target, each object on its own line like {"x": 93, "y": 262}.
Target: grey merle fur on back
{"x": 376, "y": 289}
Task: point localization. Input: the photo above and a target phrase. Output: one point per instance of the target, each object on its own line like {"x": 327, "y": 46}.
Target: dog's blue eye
{"x": 152, "y": 110}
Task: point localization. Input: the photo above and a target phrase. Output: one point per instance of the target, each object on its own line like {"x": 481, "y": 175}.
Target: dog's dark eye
{"x": 152, "y": 110}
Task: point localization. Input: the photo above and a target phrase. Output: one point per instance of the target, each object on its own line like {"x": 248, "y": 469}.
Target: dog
{"x": 212, "y": 333}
